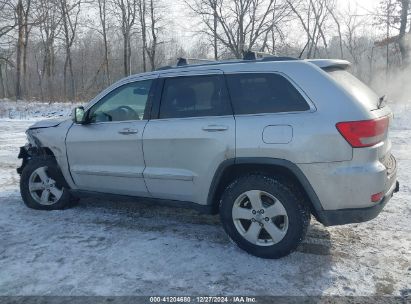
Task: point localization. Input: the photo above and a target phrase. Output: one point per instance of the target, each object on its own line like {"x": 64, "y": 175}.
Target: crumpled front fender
{"x": 48, "y": 123}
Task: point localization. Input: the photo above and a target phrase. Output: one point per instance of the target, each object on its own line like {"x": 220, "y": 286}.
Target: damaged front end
{"x": 24, "y": 154}
{"x": 33, "y": 148}
{"x": 27, "y": 152}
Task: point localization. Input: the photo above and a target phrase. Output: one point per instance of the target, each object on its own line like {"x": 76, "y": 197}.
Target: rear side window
{"x": 253, "y": 93}
{"x": 194, "y": 96}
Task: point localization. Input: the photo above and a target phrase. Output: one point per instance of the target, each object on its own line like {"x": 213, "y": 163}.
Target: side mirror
{"x": 78, "y": 115}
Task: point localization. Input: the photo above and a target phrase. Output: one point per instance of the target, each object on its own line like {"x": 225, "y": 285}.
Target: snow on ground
{"x": 134, "y": 248}
{"x": 34, "y": 110}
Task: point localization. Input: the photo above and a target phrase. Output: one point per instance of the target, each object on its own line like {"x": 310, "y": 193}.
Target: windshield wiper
{"x": 382, "y": 99}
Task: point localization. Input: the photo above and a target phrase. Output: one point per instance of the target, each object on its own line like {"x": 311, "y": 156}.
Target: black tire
{"x": 53, "y": 171}
{"x": 297, "y": 212}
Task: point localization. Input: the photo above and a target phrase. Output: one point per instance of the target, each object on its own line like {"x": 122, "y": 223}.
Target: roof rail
{"x": 255, "y": 55}
{"x": 185, "y": 61}
{"x": 249, "y": 57}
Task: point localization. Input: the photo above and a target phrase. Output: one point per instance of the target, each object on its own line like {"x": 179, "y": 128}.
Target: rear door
{"x": 193, "y": 133}
{"x": 271, "y": 116}
{"x": 106, "y": 153}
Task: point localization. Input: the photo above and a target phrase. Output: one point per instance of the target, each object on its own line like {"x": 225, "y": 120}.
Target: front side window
{"x": 128, "y": 102}
{"x": 194, "y": 96}
{"x": 253, "y": 93}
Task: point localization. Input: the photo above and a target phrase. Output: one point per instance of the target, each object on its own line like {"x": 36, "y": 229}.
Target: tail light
{"x": 364, "y": 133}
{"x": 377, "y": 197}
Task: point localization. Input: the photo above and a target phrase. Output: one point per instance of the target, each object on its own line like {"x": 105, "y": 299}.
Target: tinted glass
{"x": 253, "y": 93}
{"x": 359, "y": 90}
{"x": 127, "y": 102}
{"x": 194, "y": 96}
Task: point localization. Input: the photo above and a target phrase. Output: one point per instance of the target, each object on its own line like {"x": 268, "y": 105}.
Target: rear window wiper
{"x": 381, "y": 100}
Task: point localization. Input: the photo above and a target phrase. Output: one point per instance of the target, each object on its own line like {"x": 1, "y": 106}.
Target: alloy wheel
{"x": 260, "y": 218}
{"x": 43, "y": 188}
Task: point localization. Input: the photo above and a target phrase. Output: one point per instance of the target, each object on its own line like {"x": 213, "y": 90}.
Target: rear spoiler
{"x": 330, "y": 63}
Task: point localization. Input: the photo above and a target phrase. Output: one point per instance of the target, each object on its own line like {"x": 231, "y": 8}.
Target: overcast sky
{"x": 363, "y": 5}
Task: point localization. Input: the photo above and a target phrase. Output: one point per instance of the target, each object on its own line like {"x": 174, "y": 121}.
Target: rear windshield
{"x": 359, "y": 90}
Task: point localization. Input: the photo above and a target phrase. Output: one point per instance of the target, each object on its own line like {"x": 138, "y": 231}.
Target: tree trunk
{"x": 129, "y": 54}
{"x": 154, "y": 36}
{"x": 103, "y": 11}
{"x": 215, "y": 30}
{"x": 403, "y": 27}
{"x": 72, "y": 83}
{"x": 19, "y": 48}
{"x": 26, "y": 30}
{"x": 125, "y": 55}
{"x": 68, "y": 41}
{"x": 143, "y": 31}
{"x": 106, "y": 64}
{"x": 3, "y": 92}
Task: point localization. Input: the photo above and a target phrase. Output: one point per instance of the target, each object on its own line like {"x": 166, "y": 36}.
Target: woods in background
{"x": 60, "y": 50}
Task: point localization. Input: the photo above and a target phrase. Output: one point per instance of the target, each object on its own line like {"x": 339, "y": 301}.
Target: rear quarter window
{"x": 355, "y": 87}
{"x": 254, "y": 93}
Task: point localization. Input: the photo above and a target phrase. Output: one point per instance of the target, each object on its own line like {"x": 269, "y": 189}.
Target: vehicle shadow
{"x": 160, "y": 249}
{"x": 309, "y": 267}
{"x": 317, "y": 241}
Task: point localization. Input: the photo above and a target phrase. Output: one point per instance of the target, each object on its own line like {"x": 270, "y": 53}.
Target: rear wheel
{"x": 42, "y": 185}
{"x": 263, "y": 216}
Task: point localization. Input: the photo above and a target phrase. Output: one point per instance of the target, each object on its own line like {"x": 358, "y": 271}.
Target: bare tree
{"x": 393, "y": 15}
{"x": 312, "y": 15}
{"x": 213, "y": 4}
{"x": 70, "y": 16}
{"x": 155, "y": 18}
{"x": 238, "y": 24}
{"x": 49, "y": 25}
{"x": 354, "y": 41}
{"x": 280, "y": 17}
{"x": 8, "y": 22}
{"x": 102, "y": 9}
{"x": 336, "y": 19}
{"x": 47, "y": 51}
{"x": 19, "y": 48}
{"x": 127, "y": 16}
{"x": 142, "y": 18}
{"x": 405, "y": 6}
{"x": 27, "y": 25}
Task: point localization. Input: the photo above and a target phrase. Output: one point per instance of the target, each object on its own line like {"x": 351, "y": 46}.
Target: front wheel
{"x": 263, "y": 216}
{"x": 42, "y": 185}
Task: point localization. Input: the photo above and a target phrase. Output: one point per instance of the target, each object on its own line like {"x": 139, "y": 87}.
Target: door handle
{"x": 215, "y": 128}
{"x": 128, "y": 131}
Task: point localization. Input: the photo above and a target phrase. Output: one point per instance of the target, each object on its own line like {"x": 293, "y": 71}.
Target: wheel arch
{"x": 26, "y": 153}
{"x": 233, "y": 168}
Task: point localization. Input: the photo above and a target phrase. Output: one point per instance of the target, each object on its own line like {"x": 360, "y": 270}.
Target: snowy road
{"x": 125, "y": 248}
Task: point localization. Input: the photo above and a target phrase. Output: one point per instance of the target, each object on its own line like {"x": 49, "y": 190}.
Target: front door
{"x": 106, "y": 153}
{"x": 194, "y": 133}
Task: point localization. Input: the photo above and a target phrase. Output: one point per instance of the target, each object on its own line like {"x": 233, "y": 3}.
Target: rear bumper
{"x": 357, "y": 215}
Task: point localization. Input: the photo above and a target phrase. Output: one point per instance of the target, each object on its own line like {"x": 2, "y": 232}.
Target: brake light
{"x": 364, "y": 133}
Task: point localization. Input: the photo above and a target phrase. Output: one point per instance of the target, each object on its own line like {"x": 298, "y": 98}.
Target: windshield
{"x": 355, "y": 87}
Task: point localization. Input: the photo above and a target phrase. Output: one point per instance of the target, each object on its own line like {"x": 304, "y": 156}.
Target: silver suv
{"x": 264, "y": 142}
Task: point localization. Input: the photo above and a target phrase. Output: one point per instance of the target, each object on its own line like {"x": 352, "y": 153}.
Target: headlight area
{"x": 23, "y": 154}
{"x": 30, "y": 138}
{"x": 26, "y": 151}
